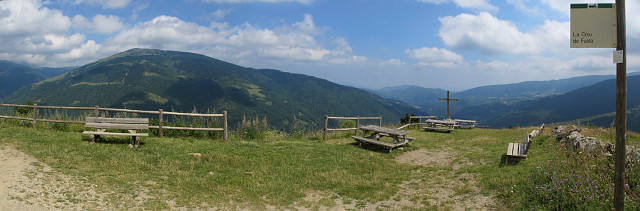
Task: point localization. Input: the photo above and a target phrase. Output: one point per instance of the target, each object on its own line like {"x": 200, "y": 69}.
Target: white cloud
{"x": 136, "y": 11}
{"x": 306, "y": 2}
{"x": 308, "y": 26}
{"x": 220, "y": 14}
{"x": 99, "y": 24}
{"x": 237, "y": 43}
{"x": 553, "y": 36}
{"x": 108, "y": 4}
{"x": 527, "y": 7}
{"x": 106, "y": 24}
{"x": 485, "y": 33}
{"x": 29, "y": 18}
{"x": 434, "y": 55}
{"x": 80, "y": 22}
{"x": 482, "y": 5}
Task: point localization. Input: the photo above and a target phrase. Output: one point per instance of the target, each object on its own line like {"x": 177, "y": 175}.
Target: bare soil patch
{"x": 27, "y": 184}
{"x": 447, "y": 187}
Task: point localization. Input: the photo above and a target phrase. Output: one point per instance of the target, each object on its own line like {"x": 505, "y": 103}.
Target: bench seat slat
{"x": 114, "y": 134}
{"x": 438, "y": 128}
{"x": 117, "y": 120}
{"x": 118, "y": 126}
{"x": 385, "y": 144}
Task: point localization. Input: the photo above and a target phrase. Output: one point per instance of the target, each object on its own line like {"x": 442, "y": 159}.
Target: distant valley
{"x": 588, "y": 99}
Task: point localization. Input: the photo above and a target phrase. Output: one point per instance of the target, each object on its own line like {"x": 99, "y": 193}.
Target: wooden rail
{"x": 96, "y": 112}
{"x": 326, "y": 121}
{"x": 419, "y": 120}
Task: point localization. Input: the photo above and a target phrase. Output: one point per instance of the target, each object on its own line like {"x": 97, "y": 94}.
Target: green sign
{"x": 593, "y": 25}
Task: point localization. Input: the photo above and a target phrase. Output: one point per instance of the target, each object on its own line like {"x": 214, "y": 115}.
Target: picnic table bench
{"x": 519, "y": 151}
{"x": 440, "y": 125}
{"x": 101, "y": 125}
{"x": 461, "y": 123}
{"x": 399, "y": 137}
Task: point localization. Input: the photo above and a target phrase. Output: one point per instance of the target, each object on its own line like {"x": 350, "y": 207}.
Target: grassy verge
{"x": 284, "y": 171}
{"x": 242, "y": 172}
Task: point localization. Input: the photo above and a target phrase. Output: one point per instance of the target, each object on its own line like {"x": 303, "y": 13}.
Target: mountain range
{"x": 170, "y": 80}
{"x": 14, "y": 75}
{"x": 152, "y": 79}
{"x": 586, "y": 99}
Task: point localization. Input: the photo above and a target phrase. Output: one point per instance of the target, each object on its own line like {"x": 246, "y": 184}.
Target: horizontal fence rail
{"x": 419, "y": 118}
{"x": 357, "y": 119}
{"x": 96, "y": 112}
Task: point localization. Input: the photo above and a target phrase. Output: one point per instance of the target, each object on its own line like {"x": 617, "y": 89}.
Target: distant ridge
{"x": 14, "y": 75}
{"x": 596, "y": 101}
{"x": 172, "y": 80}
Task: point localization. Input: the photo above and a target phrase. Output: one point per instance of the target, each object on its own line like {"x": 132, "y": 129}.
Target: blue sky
{"x": 449, "y": 44}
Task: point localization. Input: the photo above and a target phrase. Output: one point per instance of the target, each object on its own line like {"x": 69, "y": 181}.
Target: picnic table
{"x": 461, "y": 123}
{"x": 398, "y": 137}
{"x": 440, "y": 125}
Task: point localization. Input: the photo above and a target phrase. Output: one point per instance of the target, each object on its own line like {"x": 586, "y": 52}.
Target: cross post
{"x": 448, "y": 99}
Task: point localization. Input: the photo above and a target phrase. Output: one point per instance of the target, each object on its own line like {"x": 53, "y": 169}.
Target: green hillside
{"x": 180, "y": 81}
{"x": 13, "y": 76}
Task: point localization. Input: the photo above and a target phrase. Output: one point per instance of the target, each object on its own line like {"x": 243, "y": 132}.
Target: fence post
{"x": 226, "y": 127}
{"x": 160, "y": 121}
{"x": 96, "y": 112}
{"x": 35, "y": 116}
{"x": 380, "y": 121}
{"x": 357, "y": 124}
{"x": 324, "y": 131}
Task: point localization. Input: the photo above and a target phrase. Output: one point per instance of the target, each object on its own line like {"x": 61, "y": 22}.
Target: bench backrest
{"x": 526, "y": 143}
{"x": 117, "y": 123}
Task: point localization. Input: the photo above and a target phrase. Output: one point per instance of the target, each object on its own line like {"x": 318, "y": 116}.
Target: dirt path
{"x": 450, "y": 188}
{"x": 27, "y": 184}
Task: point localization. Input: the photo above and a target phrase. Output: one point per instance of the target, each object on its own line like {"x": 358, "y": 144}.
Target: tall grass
{"x": 556, "y": 177}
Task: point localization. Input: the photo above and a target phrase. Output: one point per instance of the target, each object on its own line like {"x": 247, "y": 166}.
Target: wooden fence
{"x": 411, "y": 118}
{"x": 357, "y": 119}
{"x": 97, "y": 109}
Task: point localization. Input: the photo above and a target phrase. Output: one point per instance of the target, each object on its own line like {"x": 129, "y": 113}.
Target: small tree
{"x": 23, "y": 111}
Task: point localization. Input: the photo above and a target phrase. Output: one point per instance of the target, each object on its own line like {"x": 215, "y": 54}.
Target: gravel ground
{"x": 27, "y": 184}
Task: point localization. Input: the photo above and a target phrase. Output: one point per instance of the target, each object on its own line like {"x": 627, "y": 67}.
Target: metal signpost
{"x": 603, "y": 26}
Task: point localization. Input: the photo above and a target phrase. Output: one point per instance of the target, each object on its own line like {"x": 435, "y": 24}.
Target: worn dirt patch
{"x": 446, "y": 188}
{"x": 428, "y": 158}
{"x": 27, "y": 184}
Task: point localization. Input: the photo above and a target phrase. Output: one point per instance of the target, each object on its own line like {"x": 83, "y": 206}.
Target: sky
{"x": 447, "y": 44}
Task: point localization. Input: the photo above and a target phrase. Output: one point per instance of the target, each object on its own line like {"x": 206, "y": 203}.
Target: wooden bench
{"x": 103, "y": 124}
{"x": 399, "y": 137}
{"x": 519, "y": 151}
{"x": 440, "y": 125}
{"x": 467, "y": 124}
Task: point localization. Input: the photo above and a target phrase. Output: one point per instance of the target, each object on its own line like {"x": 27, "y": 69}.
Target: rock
{"x": 561, "y": 132}
{"x": 195, "y": 155}
{"x": 571, "y": 135}
{"x": 534, "y": 133}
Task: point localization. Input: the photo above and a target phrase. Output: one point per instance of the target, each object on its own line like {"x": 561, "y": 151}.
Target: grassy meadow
{"x": 465, "y": 169}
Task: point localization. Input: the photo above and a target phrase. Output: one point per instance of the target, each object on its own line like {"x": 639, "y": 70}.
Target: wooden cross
{"x": 448, "y": 99}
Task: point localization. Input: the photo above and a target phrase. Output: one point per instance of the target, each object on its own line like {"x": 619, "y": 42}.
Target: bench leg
{"x": 135, "y": 142}
{"x": 93, "y": 139}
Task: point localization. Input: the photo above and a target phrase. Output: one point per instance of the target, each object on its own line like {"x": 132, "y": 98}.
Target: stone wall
{"x": 570, "y": 135}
